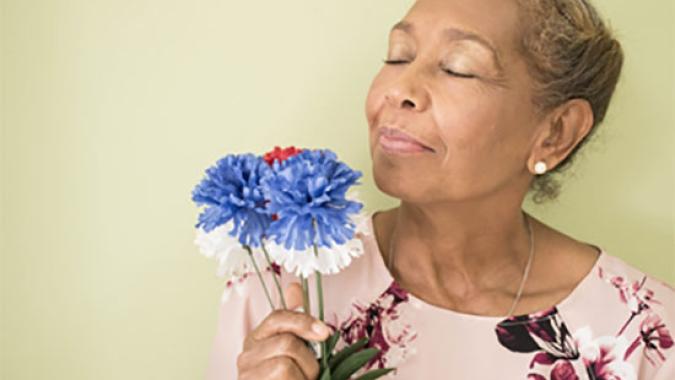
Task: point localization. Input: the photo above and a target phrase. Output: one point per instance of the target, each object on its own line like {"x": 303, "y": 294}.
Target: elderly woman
{"x": 478, "y": 103}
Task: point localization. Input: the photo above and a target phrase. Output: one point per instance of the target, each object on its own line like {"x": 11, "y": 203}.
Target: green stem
{"x": 319, "y": 287}
{"x": 260, "y": 277}
{"x": 319, "y": 291}
{"x": 305, "y": 295}
{"x": 305, "y": 304}
{"x": 274, "y": 275}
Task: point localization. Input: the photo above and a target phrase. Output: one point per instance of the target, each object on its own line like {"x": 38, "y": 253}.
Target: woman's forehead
{"x": 494, "y": 21}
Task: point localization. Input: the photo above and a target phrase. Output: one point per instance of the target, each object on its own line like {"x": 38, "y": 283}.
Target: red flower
{"x": 632, "y": 293}
{"x": 655, "y": 336}
{"x": 564, "y": 370}
{"x": 280, "y": 154}
{"x": 380, "y": 322}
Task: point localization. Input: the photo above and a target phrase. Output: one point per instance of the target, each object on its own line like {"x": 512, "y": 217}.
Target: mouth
{"x": 394, "y": 140}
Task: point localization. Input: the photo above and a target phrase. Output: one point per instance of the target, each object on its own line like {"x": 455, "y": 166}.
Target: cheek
{"x": 481, "y": 132}
{"x": 375, "y": 97}
{"x": 374, "y": 103}
{"x": 467, "y": 121}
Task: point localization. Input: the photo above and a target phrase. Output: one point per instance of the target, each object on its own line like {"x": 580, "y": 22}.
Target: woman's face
{"x": 462, "y": 90}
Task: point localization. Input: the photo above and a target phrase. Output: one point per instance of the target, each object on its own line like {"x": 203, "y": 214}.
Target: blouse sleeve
{"x": 239, "y": 314}
{"x": 666, "y": 311}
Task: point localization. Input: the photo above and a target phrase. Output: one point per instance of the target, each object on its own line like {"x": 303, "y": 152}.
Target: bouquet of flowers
{"x": 287, "y": 208}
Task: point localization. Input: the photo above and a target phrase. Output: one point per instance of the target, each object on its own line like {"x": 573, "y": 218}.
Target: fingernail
{"x": 320, "y": 328}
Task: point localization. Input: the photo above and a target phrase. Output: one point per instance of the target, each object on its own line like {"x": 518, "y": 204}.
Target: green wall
{"x": 112, "y": 109}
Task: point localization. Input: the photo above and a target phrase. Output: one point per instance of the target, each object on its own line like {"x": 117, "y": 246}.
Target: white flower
{"x": 234, "y": 263}
{"x": 330, "y": 260}
{"x": 604, "y": 355}
{"x": 233, "y": 260}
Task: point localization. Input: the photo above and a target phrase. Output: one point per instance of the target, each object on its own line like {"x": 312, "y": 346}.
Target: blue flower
{"x": 231, "y": 191}
{"x": 307, "y": 187}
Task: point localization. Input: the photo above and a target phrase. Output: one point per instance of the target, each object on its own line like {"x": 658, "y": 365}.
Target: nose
{"x": 407, "y": 91}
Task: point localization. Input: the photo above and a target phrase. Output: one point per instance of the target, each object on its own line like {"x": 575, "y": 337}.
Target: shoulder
{"x": 621, "y": 274}
{"x": 635, "y": 287}
{"x": 605, "y": 280}
{"x": 649, "y": 304}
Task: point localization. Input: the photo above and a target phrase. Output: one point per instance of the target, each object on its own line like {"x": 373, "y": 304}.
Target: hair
{"x": 570, "y": 53}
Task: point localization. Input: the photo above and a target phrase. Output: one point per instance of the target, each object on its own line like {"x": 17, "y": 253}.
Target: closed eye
{"x": 450, "y": 72}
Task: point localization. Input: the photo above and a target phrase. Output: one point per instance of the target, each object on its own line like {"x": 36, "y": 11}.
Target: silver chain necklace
{"x": 530, "y": 233}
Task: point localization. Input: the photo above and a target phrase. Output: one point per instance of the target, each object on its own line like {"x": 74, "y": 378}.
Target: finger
{"x": 278, "y": 367}
{"x": 293, "y": 295}
{"x": 285, "y": 344}
{"x": 300, "y": 324}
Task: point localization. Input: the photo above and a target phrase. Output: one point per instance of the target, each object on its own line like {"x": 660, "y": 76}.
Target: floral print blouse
{"x": 617, "y": 324}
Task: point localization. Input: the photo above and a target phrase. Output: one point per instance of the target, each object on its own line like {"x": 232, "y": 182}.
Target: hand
{"x": 275, "y": 349}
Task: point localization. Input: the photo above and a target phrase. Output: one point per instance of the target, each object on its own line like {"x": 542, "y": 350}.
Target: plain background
{"x": 111, "y": 110}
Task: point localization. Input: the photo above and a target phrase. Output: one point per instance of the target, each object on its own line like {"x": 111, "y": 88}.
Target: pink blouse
{"x": 616, "y": 324}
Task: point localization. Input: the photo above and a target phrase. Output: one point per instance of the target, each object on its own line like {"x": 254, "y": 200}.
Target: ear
{"x": 564, "y": 129}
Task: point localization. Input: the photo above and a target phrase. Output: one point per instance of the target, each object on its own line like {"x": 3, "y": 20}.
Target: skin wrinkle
{"x": 454, "y": 34}
{"x": 459, "y": 36}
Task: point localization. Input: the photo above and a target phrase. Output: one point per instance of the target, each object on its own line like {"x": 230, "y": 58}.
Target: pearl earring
{"x": 540, "y": 167}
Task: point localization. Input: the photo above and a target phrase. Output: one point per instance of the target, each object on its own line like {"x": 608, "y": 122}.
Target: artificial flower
{"x": 231, "y": 191}
{"x": 280, "y": 154}
{"x": 327, "y": 261}
{"x": 218, "y": 244}
{"x": 235, "y": 263}
{"x": 307, "y": 192}
{"x": 297, "y": 201}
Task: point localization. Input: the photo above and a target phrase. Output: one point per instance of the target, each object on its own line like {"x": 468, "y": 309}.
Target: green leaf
{"x": 345, "y": 352}
{"x": 326, "y": 375}
{"x": 331, "y": 342}
{"x": 375, "y": 374}
{"x": 353, "y": 363}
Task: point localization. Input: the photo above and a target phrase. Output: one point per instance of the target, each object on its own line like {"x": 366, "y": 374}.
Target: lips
{"x": 397, "y": 139}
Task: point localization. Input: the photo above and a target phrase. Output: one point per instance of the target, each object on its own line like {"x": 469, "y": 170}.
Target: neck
{"x": 459, "y": 249}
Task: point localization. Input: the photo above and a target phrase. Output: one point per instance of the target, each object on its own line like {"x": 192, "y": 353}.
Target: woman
{"x": 478, "y": 102}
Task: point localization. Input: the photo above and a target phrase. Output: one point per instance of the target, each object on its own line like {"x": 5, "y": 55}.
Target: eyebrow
{"x": 454, "y": 34}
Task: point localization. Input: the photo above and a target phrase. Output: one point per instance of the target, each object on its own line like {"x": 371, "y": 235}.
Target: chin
{"x": 415, "y": 183}
{"x": 396, "y": 184}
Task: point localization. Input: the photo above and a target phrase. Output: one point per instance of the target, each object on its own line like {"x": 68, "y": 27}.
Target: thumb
{"x": 293, "y": 295}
